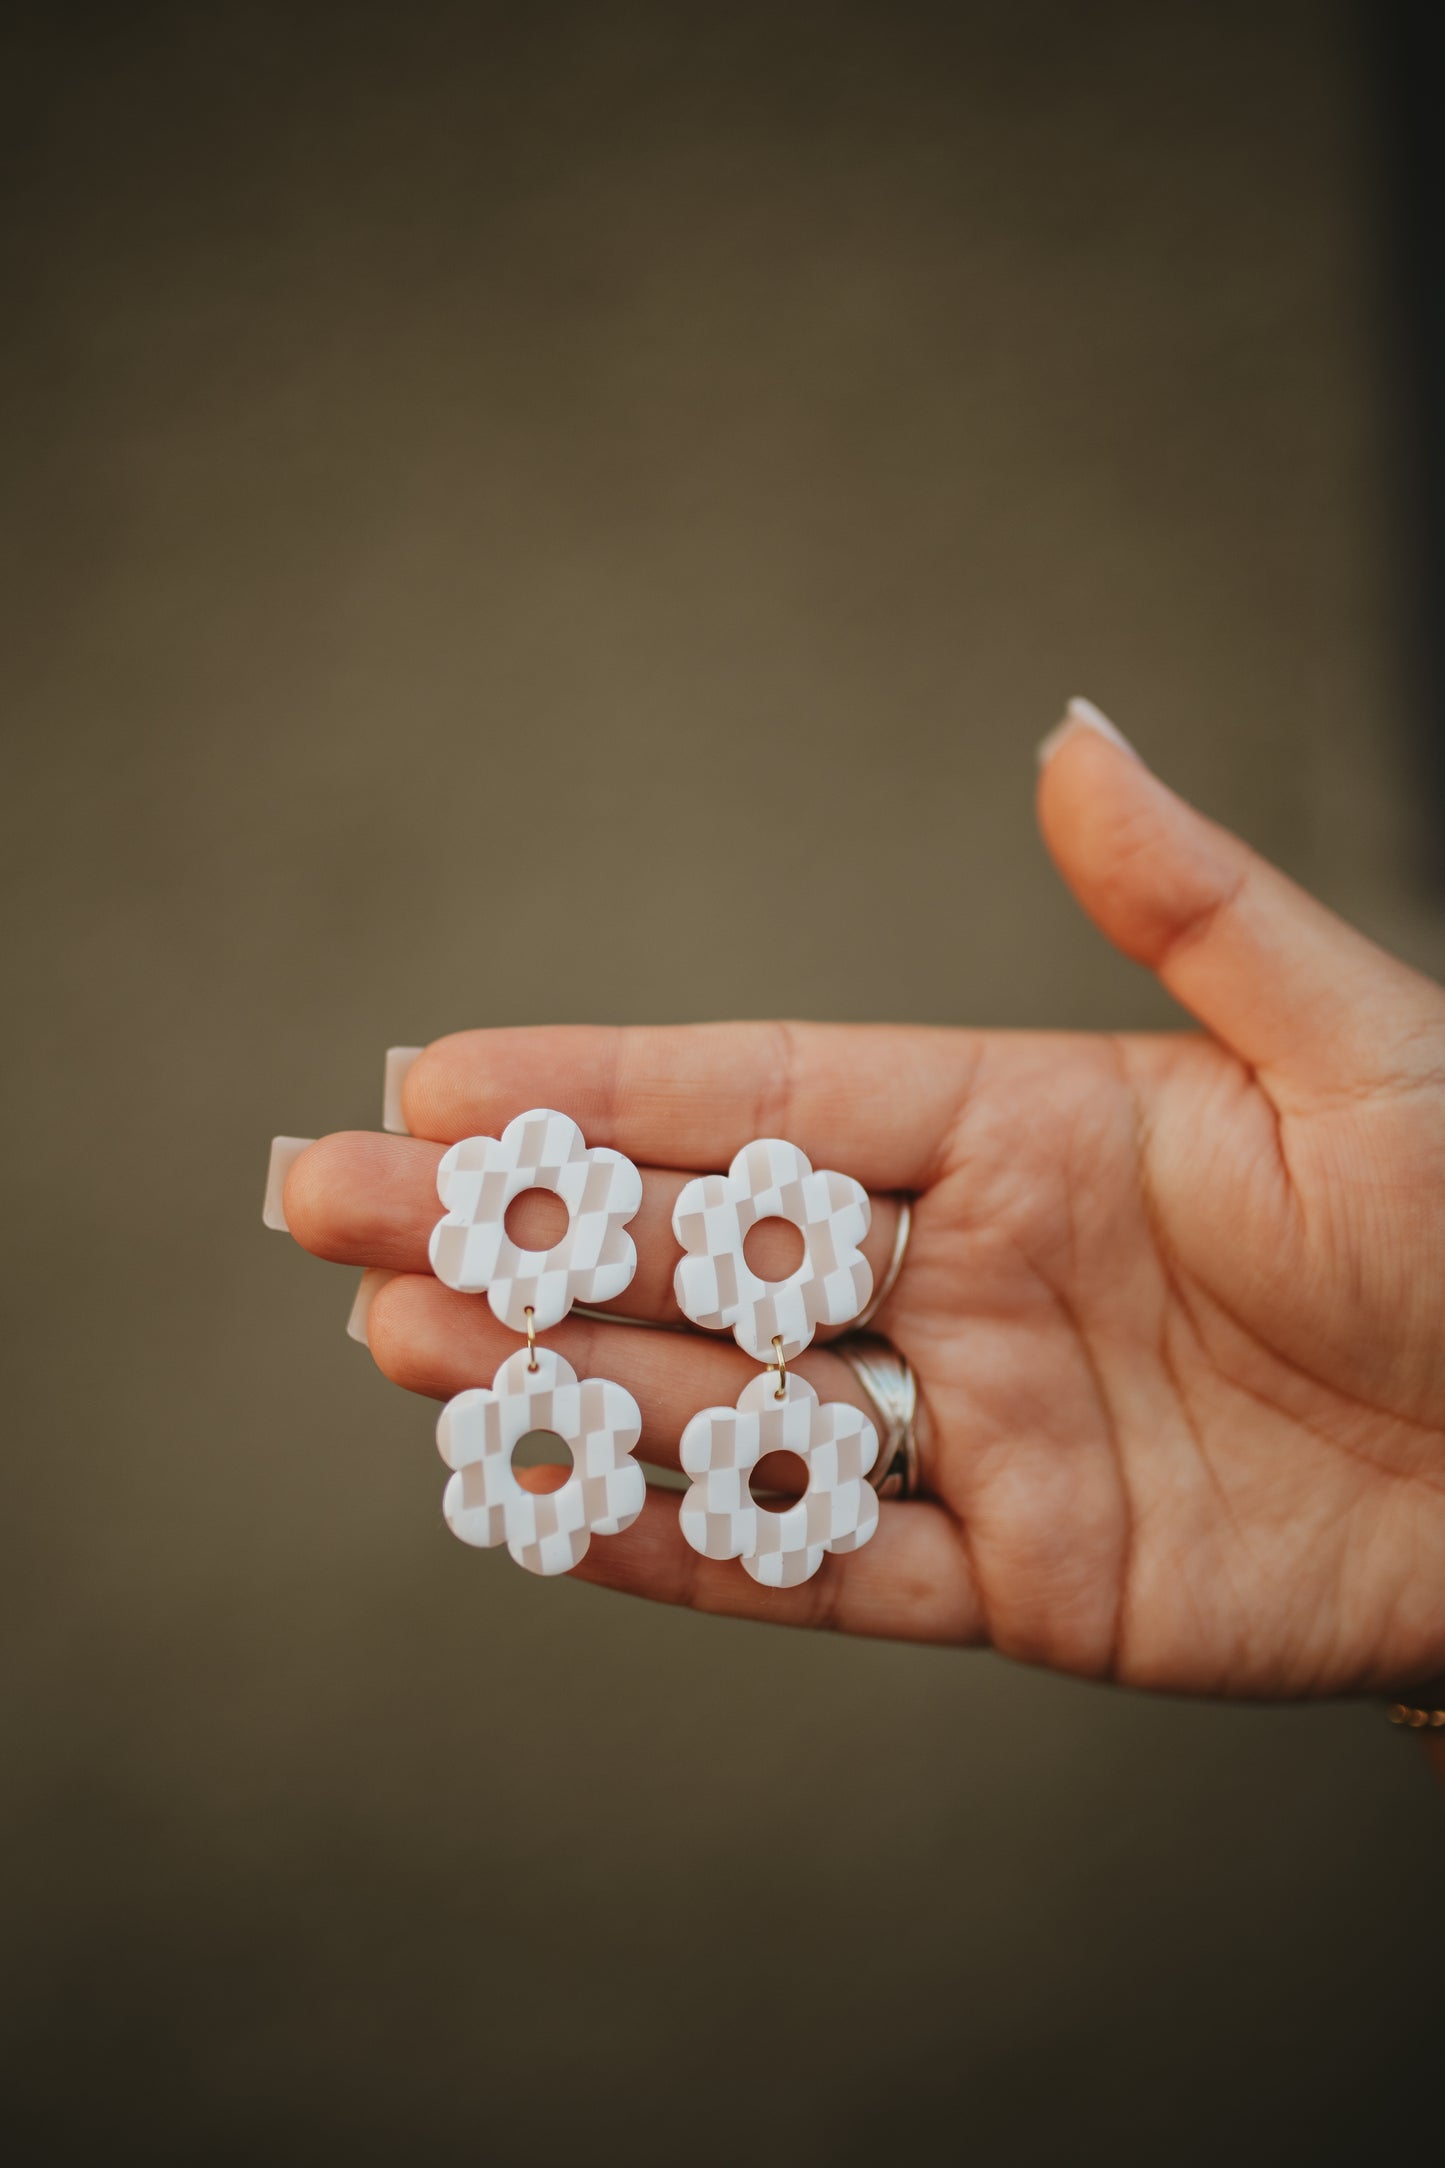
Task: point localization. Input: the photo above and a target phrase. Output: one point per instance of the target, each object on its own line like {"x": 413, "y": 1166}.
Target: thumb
{"x": 1292, "y": 989}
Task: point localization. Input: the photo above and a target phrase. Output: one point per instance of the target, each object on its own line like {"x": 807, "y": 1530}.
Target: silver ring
{"x": 888, "y": 1380}
{"x": 889, "y": 1280}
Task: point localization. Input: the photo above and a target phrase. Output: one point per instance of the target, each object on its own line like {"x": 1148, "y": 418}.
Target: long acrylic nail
{"x": 285, "y": 1151}
{"x": 398, "y": 1061}
{"x": 1082, "y": 715}
{"x": 373, "y": 1280}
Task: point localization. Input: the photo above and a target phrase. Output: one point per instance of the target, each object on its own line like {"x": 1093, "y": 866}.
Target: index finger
{"x": 876, "y": 1101}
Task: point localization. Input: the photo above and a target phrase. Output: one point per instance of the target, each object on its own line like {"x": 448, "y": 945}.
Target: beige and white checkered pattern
{"x": 837, "y": 1512}
{"x": 716, "y": 1287}
{"x": 479, "y": 1178}
{"x": 484, "y": 1503}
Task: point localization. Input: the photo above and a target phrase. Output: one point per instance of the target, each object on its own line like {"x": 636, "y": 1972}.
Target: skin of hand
{"x": 1176, "y": 1302}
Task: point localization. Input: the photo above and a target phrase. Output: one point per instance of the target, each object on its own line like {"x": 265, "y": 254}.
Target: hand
{"x": 1176, "y": 1303}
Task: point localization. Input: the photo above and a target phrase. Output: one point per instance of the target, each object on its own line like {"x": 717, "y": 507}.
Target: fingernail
{"x": 285, "y": 1151}
{"x": 373, "y": 1280}
{"x": 1082, "y": 715}
{"x": 398, "y": 1061}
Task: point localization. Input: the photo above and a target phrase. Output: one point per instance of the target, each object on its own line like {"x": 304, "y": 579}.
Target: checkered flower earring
{"x": 535, "y": 1389}
{"x": 773, "y": 1322}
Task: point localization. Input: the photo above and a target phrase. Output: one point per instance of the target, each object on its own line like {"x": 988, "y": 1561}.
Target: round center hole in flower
{"x": 773, "y": 1248}
{"x": 542, "y": 1461}
{"x": 776, "y": 1481}
{"x": 537, "y": 1220}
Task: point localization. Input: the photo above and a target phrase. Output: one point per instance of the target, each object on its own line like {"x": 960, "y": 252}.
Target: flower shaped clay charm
{"x": 716, "y": 1286}
{"x": 484, "y": 1503}
{"x": 722, "y": 1446}
{"x": 480, "y": 1177}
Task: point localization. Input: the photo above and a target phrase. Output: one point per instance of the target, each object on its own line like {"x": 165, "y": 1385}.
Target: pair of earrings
{"x": 773, "y": 1321}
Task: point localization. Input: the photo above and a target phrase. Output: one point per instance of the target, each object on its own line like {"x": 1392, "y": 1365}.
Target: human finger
{"x": 1292, "y": 989}
{"x": 873, "y": 1101}
{"x": 433, "y": 1341}
{"x": 912, "y": 1582}
{"x": 362, "y": 1198}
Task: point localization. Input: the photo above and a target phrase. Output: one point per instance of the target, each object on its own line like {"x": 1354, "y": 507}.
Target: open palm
{"x": 1174, "y": 1302}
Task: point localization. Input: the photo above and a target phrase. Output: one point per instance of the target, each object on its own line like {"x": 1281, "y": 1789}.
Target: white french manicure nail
{"x": 398, "y": 1061}
{"x": 285, "y": 1151}
{"x": 1083, "y": 715}
{"x": 373, "y": 1280}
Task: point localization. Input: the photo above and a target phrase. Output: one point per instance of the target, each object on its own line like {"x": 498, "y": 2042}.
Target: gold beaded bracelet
{"x": 1400, "y": 1712}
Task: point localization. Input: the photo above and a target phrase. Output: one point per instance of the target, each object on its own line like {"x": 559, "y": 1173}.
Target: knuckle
{"x": 1130, "y": 850}
{"x": 440, "y": 1072}
{"x": 1155, "y": 896}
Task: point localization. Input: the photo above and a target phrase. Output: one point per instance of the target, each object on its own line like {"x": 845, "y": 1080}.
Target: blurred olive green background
{"x": 584, "y": 511}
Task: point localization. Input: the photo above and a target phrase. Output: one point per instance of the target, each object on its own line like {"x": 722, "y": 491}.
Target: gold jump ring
{"x": 782, "y": 1368}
